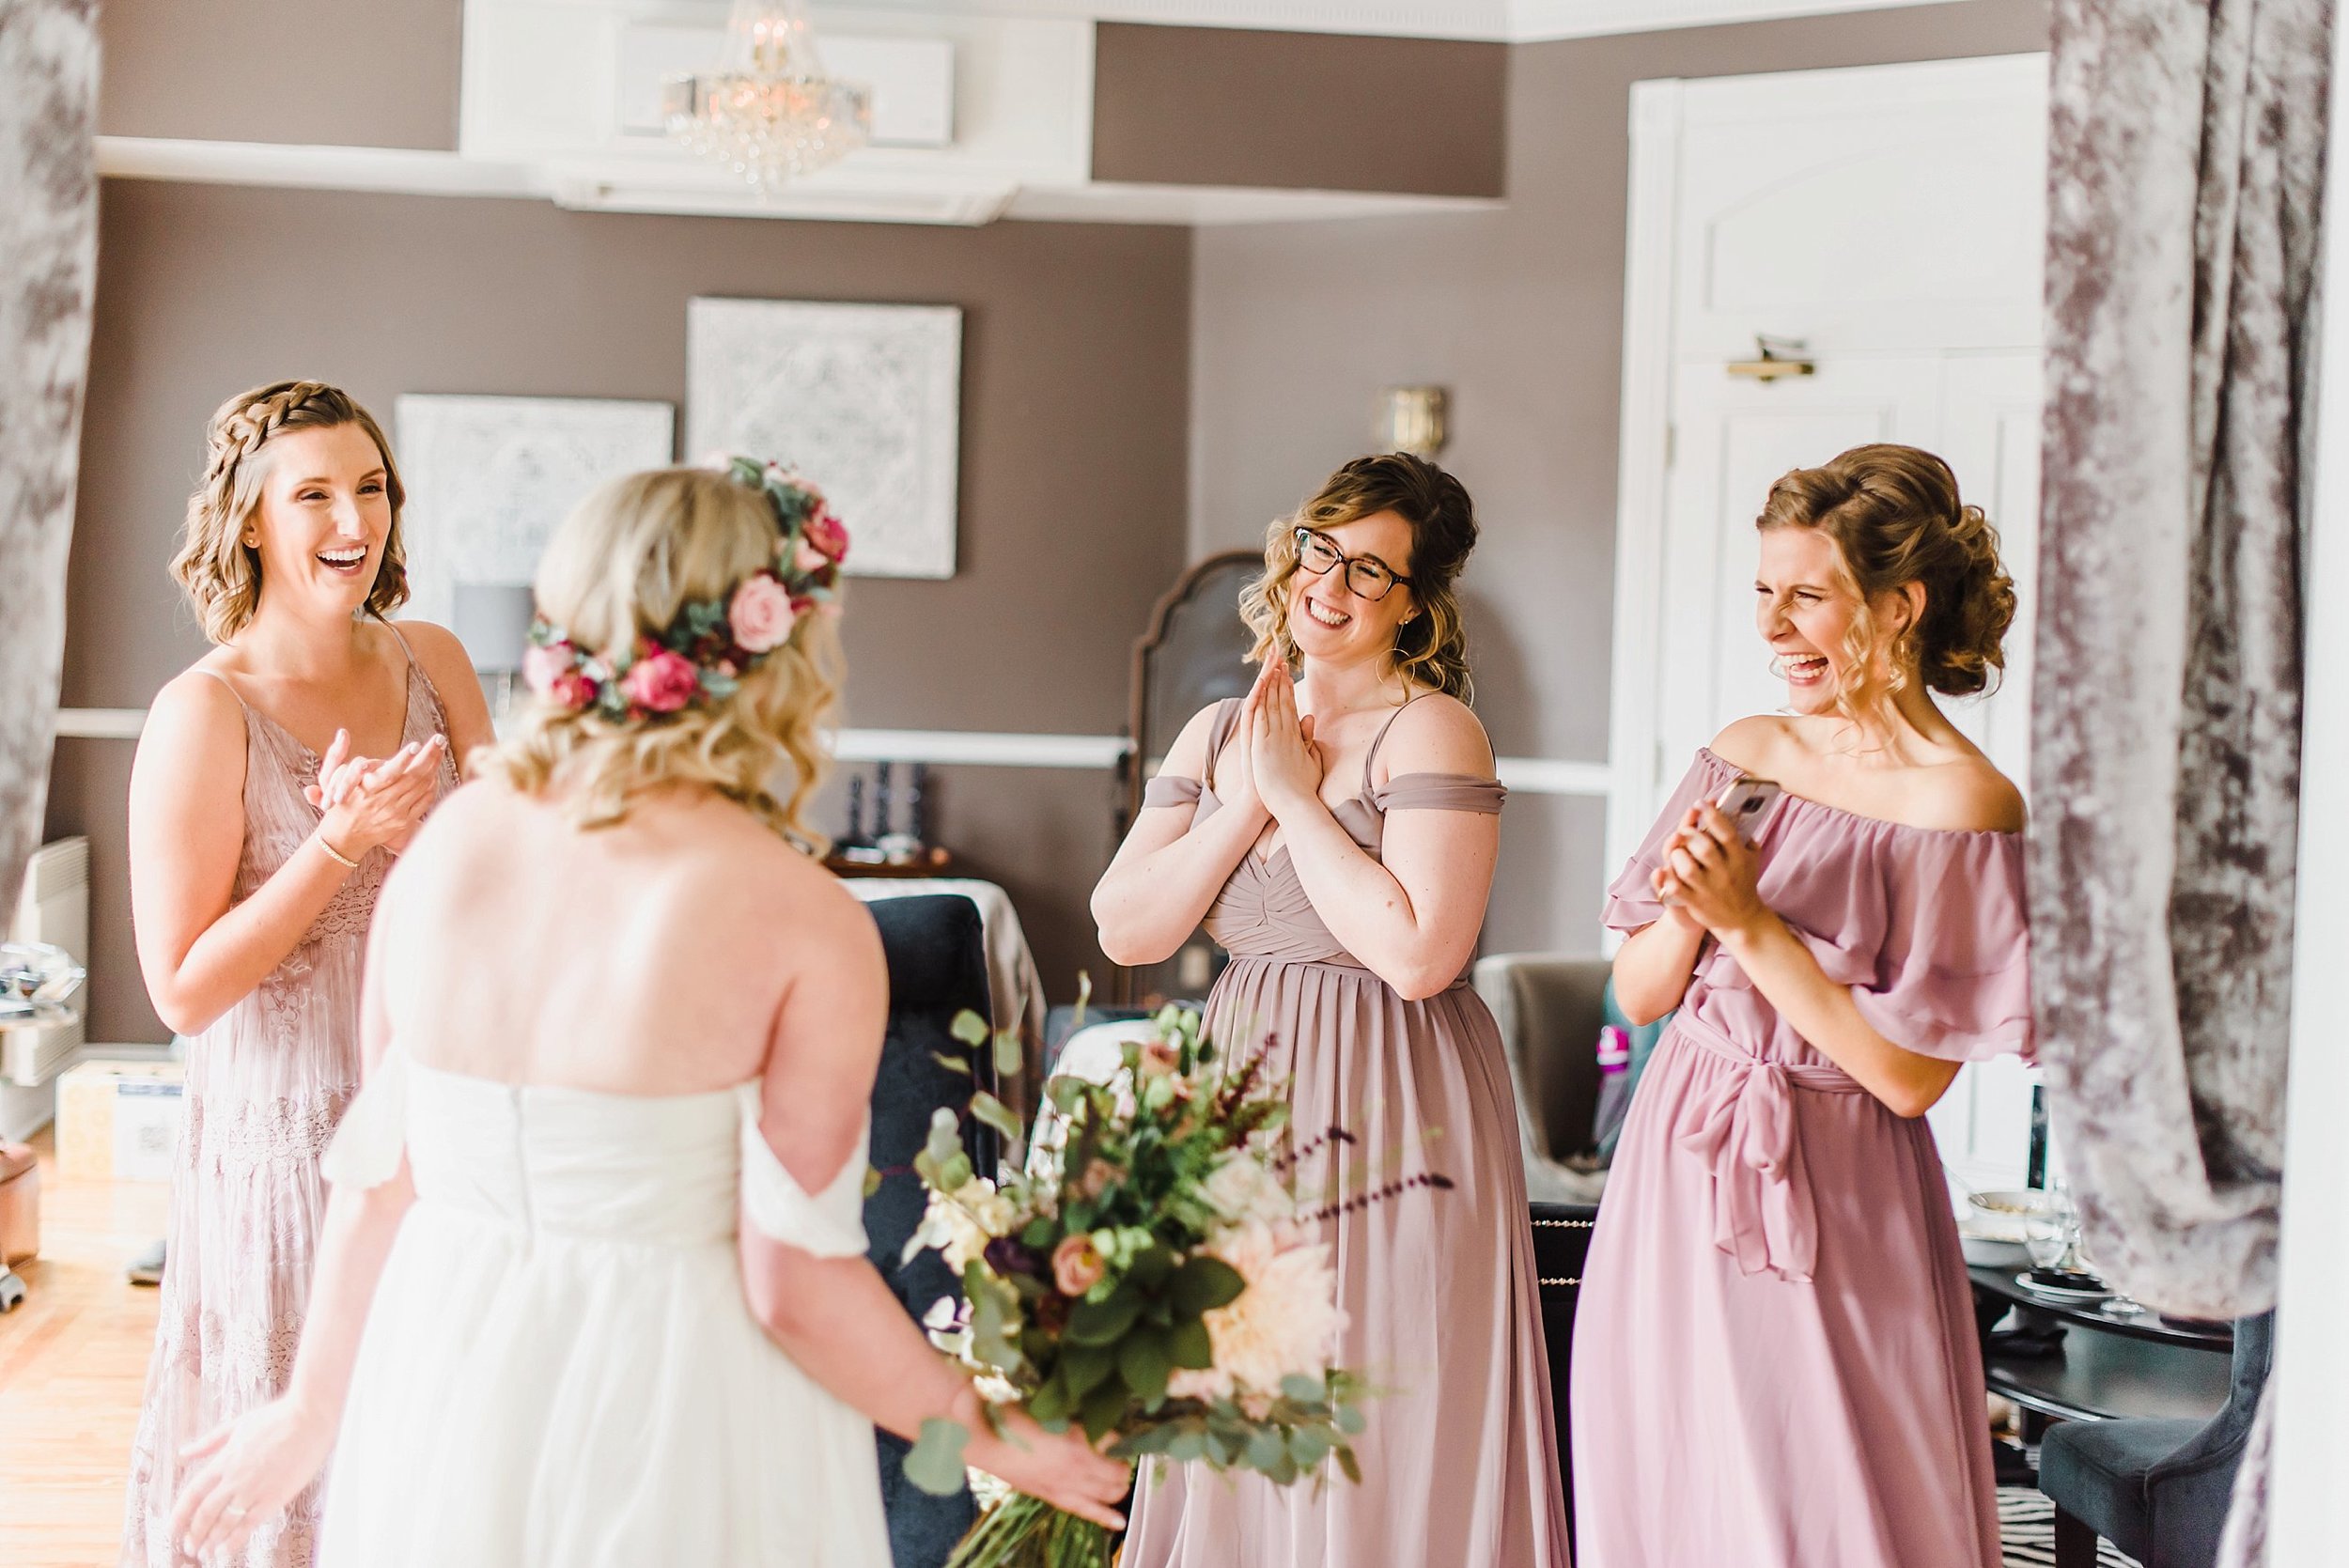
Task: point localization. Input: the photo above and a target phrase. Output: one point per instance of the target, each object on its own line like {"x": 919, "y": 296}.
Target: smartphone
{"x": 1747, "y": 801}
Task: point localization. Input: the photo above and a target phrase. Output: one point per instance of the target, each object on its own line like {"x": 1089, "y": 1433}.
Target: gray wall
{"x": 1519, "y": 312}
{"x": 1075, "y": 358}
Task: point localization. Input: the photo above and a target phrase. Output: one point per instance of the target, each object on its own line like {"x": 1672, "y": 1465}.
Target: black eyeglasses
{"x": 1368, "y": 577}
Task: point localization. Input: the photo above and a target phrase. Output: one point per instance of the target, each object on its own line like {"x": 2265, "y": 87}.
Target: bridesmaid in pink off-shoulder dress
{"x": 1339, "y": 839}
{"x": 1775, "y": 1359}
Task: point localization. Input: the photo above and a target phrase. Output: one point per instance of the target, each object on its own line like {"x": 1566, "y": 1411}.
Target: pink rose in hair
{"x": 761, "y": 614}
{"x": 661, "y": 682}
{"x": 809, "y": 559}
{"x": 552, "y": 672}
{"x": 1076, "y": 1266}
{"x": 827, "y": 534}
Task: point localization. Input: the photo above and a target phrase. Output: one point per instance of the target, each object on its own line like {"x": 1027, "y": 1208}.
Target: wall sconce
{"x": 1411, "y": 419}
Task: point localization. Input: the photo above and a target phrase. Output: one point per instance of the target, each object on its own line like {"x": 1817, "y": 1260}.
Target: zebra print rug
{"x": 2026, "y": 1528}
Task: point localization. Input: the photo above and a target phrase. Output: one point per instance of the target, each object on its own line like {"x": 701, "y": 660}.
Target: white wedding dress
{"x": 559, "y": 1370}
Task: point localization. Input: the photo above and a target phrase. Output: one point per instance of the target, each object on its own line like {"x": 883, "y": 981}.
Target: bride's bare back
{"x": 659, "y": 955}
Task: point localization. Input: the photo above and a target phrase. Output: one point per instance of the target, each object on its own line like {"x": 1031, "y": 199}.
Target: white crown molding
{"x": 1220, "y": 206}
{"x": 390, "y": 170}
{"x": 1481, "y": 21}
{"x": 1544, "y": 21}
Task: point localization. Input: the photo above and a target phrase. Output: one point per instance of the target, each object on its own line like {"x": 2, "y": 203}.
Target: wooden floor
{"x": 72, "y": 1366}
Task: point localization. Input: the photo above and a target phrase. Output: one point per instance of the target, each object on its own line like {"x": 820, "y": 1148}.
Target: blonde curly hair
{"x": 1431, "y": 648}
{"x": 622, "y": 567}
{"x": 220, "y": 573}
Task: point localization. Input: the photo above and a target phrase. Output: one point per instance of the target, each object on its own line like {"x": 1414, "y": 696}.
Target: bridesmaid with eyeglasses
{"x": 1337, "y": 830}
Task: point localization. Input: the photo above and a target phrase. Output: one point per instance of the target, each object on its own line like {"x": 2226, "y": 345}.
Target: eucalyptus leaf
{"x": 935, "y": 1462}
{"x": 1187, "y": 1443}
{"x": 1352, "y": 1465}
{"x": 1308, "y": 1446}
{"x": 1266, "y": 1449}
{"x": 969, "y": 1027}
{"x": 1010, "y": 1054}
{"x": 1303, "y": 1389}
{"x": 1351, "y": 1421}
{"x": 952, "y": 1063}
{"x": 945, "y": 1136}
{"x": 996, "y": 1114}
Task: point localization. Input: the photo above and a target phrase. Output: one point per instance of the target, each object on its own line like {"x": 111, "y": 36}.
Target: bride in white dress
{"x": 592, "y": 1290}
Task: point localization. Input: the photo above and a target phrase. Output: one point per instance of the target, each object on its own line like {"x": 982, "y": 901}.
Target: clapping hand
{"x": 365, "y": 802}
{"x": 1709, "y": 874}
{"x": 1287, "y": 764}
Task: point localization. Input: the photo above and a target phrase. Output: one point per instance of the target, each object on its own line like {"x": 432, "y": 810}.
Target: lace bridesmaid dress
{"x": 1460, "y": 1460}
{"x": 1775, "y": 1362}
{"x": 266, "y": 1085}
{"x": 559, "y": 1368}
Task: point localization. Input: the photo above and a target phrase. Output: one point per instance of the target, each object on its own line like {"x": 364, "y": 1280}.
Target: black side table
{"x": 2109, "y": 1365}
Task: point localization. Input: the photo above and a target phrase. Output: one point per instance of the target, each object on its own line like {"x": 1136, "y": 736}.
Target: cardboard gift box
{"x": 118, "y": 1120}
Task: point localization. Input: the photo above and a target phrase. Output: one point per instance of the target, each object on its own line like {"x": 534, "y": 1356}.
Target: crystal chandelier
{"x": 768, "y": 112}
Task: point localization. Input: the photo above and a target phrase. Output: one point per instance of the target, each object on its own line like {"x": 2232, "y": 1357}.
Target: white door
{"x": 1891, "y": 221}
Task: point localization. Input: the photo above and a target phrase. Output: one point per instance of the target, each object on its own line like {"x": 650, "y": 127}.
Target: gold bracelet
{"x": 320, "y": 839}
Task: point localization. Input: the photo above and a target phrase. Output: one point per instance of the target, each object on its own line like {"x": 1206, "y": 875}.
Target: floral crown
{"x": 701, "y": 657}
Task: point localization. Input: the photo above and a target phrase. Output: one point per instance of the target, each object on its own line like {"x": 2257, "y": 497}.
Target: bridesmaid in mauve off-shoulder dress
{"x": 1776, "y": 1359}
{"x": 1350, "y": 921}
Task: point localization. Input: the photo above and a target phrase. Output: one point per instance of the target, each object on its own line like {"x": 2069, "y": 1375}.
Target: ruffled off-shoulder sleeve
{"x": 1952, "y": 975}
{"x": 373, "y": 1134}
{"x": 828, "y": 1224}
{"x": 1631, "y": 902}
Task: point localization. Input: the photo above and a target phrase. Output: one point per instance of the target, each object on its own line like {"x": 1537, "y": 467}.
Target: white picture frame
{"x": 864, "y": 400}
{"x": 489, "y": 478}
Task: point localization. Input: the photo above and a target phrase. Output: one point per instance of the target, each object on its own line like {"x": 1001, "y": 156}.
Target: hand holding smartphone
{"x": 1747, "y": 801}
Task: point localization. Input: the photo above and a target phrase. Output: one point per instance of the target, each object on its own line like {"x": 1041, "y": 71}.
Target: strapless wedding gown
{"x": 559, "y": 1370}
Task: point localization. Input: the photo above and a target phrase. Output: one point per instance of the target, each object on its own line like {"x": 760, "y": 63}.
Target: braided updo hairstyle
{"x": 1896, "y": 519}
{"x": 1430, "y": 648}
{"x": 220, "y": 574}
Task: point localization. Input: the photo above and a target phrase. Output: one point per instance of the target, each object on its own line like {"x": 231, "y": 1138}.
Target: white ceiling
{"x": 1497, "y": 20}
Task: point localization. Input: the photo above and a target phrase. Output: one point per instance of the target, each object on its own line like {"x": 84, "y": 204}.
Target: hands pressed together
{"x": 371, "y": 801}
{"x": 1708, "y": 877}
{"x": 1273, "y": 762}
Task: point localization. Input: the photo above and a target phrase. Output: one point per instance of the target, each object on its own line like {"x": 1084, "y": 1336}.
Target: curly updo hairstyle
{"x": 622, "y": 567}
{"x": 219, "y": 571}
{"x": 1430, "y": 648}
{"x": 1896, "y": 519}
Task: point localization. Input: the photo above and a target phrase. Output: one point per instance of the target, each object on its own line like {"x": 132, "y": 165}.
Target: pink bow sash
{"x": 1745, "y": 1133}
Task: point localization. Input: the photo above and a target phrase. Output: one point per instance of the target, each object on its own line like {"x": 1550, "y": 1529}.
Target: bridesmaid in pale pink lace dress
{"x": 275, "y": 782}
{"x": 1339, "y": 839}
{"x": 1775, "y": 1358}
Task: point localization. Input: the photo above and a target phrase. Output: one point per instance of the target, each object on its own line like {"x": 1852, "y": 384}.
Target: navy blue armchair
{"x": 2156, "y": 1489}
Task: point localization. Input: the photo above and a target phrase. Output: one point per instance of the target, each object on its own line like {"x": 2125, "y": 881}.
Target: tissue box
{"x": 118, "y": 1120}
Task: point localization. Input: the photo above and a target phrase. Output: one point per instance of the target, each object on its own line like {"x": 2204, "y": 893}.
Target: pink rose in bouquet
{"x": 661, "y": 682}
{"x": 761, "y": 614}
{"x": 1077, "y": 1268}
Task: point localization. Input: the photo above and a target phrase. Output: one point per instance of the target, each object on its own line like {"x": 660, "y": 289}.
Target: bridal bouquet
{"x": 1149, "y": 1276}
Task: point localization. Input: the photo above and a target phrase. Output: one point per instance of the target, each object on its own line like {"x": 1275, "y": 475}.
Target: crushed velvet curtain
{"x": 2186, "y": 173}
{"x": 48, "y": 267}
